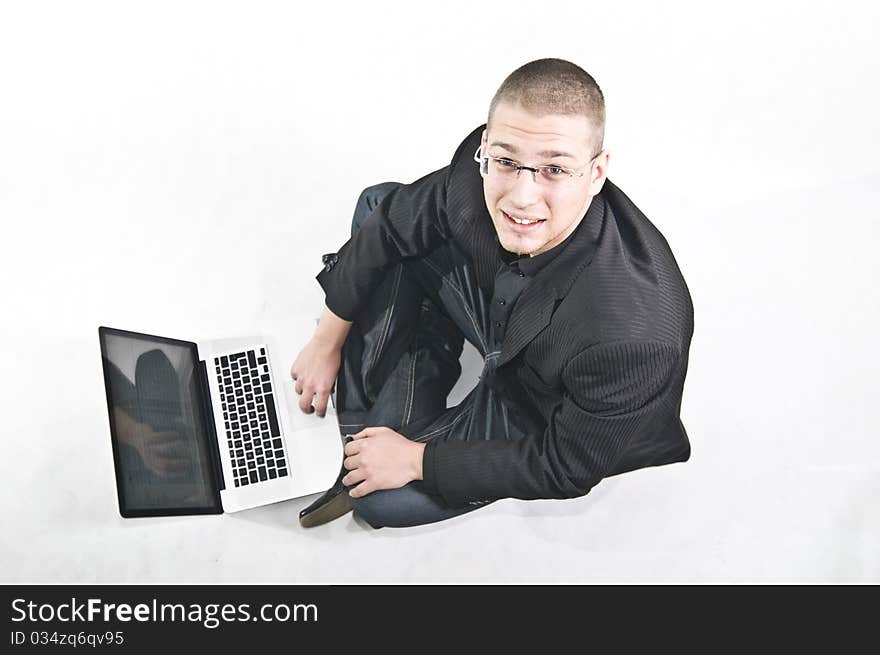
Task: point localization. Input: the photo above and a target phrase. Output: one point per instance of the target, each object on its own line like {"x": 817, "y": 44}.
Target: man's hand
{"x": 315, "y": 372}
{"x": 165, "y": 453}
{"x": 316, "y": 366}
{"x": 380, "y": 458}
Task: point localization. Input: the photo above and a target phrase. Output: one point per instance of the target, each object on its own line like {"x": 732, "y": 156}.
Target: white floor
{"x": 140, "y": 155}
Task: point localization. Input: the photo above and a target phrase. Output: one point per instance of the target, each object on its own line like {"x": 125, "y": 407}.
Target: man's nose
{"x": 526, "y": 190}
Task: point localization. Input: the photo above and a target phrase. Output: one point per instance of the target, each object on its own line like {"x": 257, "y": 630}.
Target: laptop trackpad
{"x": 314, "y": 443}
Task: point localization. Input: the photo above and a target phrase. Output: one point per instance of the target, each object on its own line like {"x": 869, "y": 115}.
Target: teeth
{"x": 523, "y": 221}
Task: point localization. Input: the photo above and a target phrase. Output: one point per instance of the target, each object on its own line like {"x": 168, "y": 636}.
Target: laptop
{"x": 209, "y": 427}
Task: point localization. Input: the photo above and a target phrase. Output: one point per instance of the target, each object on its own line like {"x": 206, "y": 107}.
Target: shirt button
{"x": 498, "y": 324}
{"x": 502, "y": 302}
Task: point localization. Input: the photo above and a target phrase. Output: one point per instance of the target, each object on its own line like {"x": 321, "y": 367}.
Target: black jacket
{"x": 596, "y": 349}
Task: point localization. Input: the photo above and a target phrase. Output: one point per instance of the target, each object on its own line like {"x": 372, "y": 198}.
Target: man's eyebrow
{"x": 546, "y": 154}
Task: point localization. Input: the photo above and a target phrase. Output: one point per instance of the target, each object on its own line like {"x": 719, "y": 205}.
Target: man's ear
{"x": 600, "y": 172}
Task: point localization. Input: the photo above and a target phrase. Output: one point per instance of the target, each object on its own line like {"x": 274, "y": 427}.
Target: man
{"x": 523, "y": 247}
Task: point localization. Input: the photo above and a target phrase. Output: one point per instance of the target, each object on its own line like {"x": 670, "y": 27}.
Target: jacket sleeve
{"x": 409, "y": 222}
{"x": 614, "y": 393}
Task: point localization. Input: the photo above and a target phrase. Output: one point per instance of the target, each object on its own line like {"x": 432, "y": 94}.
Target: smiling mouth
{"x": 522, "y": 224}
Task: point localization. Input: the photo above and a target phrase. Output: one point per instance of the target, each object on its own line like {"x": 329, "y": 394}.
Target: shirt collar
{"x": 531, "y": 265}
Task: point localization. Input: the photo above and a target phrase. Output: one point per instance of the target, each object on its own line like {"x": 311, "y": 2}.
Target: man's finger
{"x": 167, "y": 438}
{"x": 362, "y": 490}
{"x": 177, "y": 464}
{"x": 351, "y": 463}
{"x": 172, "y": 466}
{"x": 170, "y": 449}
{"x": 354, "y": 477}
{"x": 366, "y": 432}
{"x": 305, "y": 401}
{"x": 321, "y": 404}
{"x": 352, "y": 447}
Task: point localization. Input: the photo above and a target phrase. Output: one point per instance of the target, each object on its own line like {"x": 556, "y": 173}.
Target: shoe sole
{"x": 339, "y": 505}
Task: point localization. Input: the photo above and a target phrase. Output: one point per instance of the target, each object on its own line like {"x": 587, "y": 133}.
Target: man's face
{"x": 565, "y": 141}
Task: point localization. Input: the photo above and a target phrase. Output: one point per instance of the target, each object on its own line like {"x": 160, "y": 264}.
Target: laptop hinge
{"x": 208, "y": 413}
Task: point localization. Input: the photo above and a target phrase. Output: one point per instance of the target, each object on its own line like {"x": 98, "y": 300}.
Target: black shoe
{"x": 332, "y": 504}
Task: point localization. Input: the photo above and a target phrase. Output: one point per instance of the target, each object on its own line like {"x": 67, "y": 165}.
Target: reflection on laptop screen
{"x": 160, "y": 440}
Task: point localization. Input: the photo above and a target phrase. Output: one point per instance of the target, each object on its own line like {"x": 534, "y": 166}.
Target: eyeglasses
{"x": 504, "y": 168}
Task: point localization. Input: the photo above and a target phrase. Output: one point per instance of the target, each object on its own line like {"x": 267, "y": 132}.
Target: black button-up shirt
{"x": 510, "y": 281}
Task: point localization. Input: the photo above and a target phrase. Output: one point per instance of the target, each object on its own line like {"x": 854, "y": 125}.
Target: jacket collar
{"x": 533, "y": 310}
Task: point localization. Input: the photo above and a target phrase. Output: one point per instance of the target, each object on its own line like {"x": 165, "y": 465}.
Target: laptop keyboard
{"x": 248, "y": 401}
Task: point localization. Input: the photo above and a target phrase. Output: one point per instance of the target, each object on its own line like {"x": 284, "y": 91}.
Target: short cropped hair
{"x": 554, "y": 86}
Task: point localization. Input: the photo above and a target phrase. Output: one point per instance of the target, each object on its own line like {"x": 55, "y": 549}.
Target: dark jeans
{"x": 401, "y": 360}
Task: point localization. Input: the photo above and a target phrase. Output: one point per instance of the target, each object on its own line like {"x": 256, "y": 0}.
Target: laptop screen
{"x": 157, "y": 424}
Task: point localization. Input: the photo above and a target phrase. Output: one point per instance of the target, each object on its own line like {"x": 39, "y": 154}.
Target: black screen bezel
{"x": 215, "y": 507}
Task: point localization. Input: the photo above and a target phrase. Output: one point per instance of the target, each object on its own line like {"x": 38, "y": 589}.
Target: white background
{"x": 144, "y": 146}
